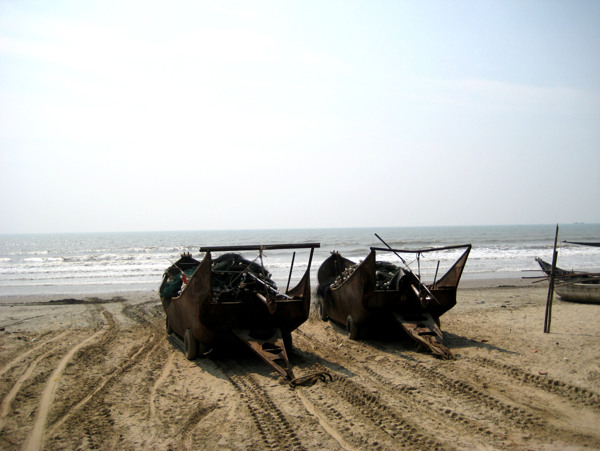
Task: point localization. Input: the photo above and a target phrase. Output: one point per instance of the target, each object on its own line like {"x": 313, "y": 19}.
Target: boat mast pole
{"x": 290, "y": 276}
{"x": 548, "y": 316}
{"x": 408, "y": 267}
{"x": 397, "y": 254}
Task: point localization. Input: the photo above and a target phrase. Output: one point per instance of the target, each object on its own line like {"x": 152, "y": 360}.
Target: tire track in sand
{"x": 34, "y": 441}
{"x": 570, "y": 392}
{"x": 167, "y": 368}
{"x": 90, "y": 407}
{"x": 20, "y": 357}
{"x": 412, "y": 399}
{"x": 128, "y": 363}
{"x": 10, "y": 396}
{"x": 275, "y": 430}
{"x": 330, "y": 429}
{"x": 485, "y": 416}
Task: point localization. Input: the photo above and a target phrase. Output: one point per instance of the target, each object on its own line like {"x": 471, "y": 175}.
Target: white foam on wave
{"x": 132, "y": 259}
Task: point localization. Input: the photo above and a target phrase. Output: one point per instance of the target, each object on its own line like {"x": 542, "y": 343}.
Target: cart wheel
{"x": 351, "y": 328}
{"x": 190, "y": 346}
{"x": 287, "y": 341}
{"x": 169, "y": 328}
{"x": 321, "y": 309}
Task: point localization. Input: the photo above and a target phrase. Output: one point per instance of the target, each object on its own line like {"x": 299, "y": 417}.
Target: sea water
{"x": 95, "y": 263}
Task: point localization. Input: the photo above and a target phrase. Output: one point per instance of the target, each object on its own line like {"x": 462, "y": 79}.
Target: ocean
{"x": 96, "y": 263}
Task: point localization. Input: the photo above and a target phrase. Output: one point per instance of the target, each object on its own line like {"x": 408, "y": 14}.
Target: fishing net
{"x": 384, "y": 273}
{"x": 171, "y": 288}
{"x": 233, "y": 278}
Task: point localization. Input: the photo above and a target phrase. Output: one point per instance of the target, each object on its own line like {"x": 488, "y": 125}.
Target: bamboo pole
{"x": 548, "y": 316}
{"x": 290, "y": 276}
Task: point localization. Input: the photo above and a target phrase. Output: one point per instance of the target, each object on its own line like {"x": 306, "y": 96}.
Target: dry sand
{"x": 102, "y": 375}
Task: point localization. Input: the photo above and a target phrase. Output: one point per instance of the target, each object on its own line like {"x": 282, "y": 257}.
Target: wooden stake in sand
{"x": 548, "y": 316}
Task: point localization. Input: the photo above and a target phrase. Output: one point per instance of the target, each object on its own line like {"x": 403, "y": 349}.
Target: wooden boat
{"x": 233, "y": 297}
{"x": 547, "y": 269}
{"x": 575, "y": 286}
{"x": 587, "y": 290}
{"x": 581, "y": 243}
{"x": 357, "y": 295}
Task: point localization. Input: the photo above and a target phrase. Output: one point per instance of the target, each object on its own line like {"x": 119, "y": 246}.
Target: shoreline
{"x": 108, "y": 294}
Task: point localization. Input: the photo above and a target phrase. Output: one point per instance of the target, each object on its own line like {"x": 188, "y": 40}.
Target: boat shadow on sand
{"x": 459, "y": 342}
{"x": 236, "y": 359}
{"x": 393, "y": 339}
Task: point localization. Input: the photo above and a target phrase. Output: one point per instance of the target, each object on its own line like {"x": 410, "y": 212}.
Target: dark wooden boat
{"x": 586, "y": 243}
{"x": 233, "y": 297}
{"x": 547, "y": 269}
{"x": 357, "y": 295}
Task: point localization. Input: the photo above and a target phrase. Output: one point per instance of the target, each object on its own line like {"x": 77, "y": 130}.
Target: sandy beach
{"x": 100, "y": 373}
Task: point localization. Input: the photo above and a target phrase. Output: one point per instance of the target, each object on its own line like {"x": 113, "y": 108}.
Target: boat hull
{"x": 579, "y": 292}
{"x": 574, "y": 286}
{"x": 349, "y": 295}
{"x": 197, "y": 309}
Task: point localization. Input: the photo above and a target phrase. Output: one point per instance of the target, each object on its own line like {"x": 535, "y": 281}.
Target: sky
{"x": 200, "y": 115}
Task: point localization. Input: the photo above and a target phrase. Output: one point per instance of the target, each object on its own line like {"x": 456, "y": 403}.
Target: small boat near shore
{"x": 574, "y": 286}
{"x": 211, "y": 301}
{"x": 584, "y": 291}
{"x": 371, "y": 293}
{"x": 558, "y": 272}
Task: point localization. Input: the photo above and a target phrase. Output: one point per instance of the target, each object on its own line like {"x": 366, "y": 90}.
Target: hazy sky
{"x": 120, "y": 115}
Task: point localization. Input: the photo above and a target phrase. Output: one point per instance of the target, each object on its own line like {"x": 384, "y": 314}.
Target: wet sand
{"x": 100, "y": 373}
